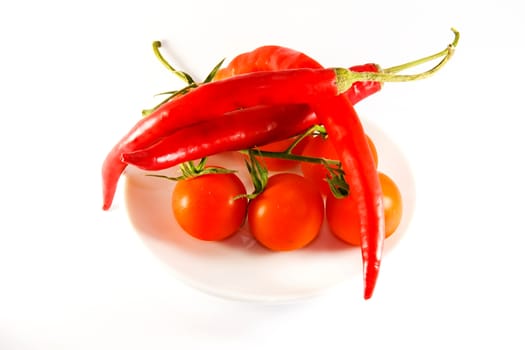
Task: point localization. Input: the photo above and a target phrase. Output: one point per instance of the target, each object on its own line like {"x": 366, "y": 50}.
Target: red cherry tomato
{"x": 321, "y": 147}
{"x": 288, "y": 214}
{"x": 343, "y": 218}
{"x": 206, "y": 206}
{"x": 393, "y": 203}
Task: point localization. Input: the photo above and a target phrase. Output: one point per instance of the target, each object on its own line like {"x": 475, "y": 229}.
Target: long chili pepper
{"x": 349, "y": 140}
{"x": 258, "y": 127}
{"x": 212, "y": 100}
{"x": 274, "y": 58}
{"x": 168, "y": 152}
{"x": 235, "y": 131}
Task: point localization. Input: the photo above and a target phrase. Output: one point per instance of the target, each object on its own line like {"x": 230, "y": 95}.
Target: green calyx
{"x": 190, "y": 170}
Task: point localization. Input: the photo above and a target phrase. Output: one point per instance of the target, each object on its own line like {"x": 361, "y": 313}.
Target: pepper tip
{"x": 370, "y": 283}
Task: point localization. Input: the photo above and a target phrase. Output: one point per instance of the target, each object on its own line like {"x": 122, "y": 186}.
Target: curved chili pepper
{"x": 349, "y": 140}
{"x": 212, "y": 100}
{"x": 274, "y": 58}
{"x": 234, "y": 131}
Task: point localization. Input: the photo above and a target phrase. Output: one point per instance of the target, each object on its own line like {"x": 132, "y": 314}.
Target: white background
{"x": 74, "y": 77}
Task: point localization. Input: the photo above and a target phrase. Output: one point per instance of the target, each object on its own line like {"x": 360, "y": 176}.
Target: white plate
{"x": 239, "y": 268}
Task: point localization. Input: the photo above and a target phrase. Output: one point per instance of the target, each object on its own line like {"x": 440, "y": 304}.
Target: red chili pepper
{"x": 234, "y": 131}
{"x": 274, "y": 58}
{"x": 212, "y": 100}
{"x": 349, "y": 140}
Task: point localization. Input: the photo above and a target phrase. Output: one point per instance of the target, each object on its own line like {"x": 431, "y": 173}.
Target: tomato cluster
{"x": 290, "y": 210}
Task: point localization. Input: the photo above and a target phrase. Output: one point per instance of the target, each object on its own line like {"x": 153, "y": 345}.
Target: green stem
{"x": 171, "y": 94}
{"x": 422, "y": 60}
{"x": 190, "y": 170}
{"x": 259, "y": 174}
{"x": 294, "y": 157}
{"x": 345, "y": 77}
{"x": 184, "y": 76}
{"x": 391, "y": 78}
{"x": 146, "y": 112}
{"x": 313, "y": 129}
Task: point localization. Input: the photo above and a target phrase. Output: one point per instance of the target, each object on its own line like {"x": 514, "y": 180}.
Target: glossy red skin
{"x": 234, "y": 131}
{"x": 350, "y": 143}
{"x": 245, "y": 131}
{"x": 288, "y": 214}
{"x": 213, "y": 100}
{"x": 274, "y": 57}
{"x": 205, "y": 206}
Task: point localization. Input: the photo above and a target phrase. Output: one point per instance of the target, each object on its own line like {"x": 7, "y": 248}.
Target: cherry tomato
{"x": 393, "y": 203}
{"x": 288, "y": 214}
{"x": 321, "y": 147}
{"x": 343, "y": 220}
{"x": 206, "y": 206}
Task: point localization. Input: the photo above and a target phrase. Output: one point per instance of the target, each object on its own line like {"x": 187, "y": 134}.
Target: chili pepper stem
{"x": 345, "y": 77}
{"x": 422, "y": 60}
{"x": 171, "y": 94}
{"x": 182, "y": 75}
